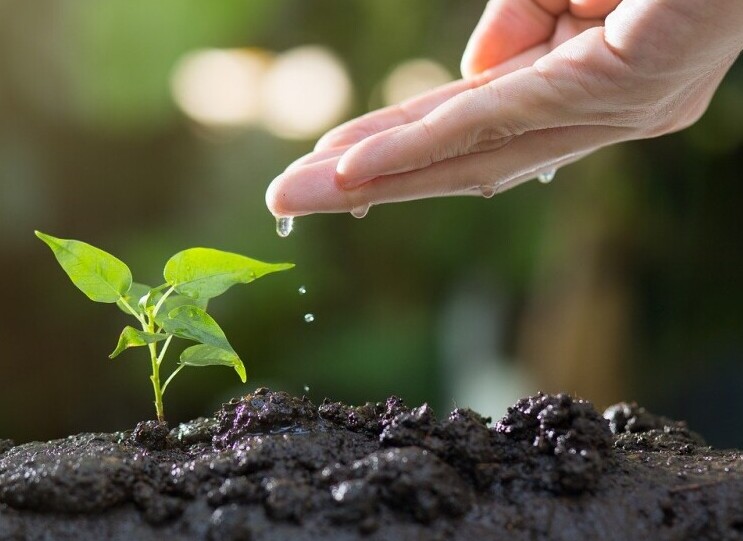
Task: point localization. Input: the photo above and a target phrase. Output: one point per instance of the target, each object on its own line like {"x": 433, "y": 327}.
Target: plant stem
{"x": 134, "y": 312}
{"x": 161, "y": 301}
{"x": 167, "y": 381}
{"x": 155, "y": 378}
{"x": 148, "y": 325}
{"x": 163, "y": 350}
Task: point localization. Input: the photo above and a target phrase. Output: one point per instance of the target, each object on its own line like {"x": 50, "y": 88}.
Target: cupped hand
{"x": 546, "y": 82}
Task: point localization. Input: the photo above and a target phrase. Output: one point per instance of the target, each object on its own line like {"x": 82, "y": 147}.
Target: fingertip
{"x": 345, "y": 175}
{"x": 591, "y": 9}
{"x": 466, "y": 66}
{"x": 344, "y": 135}
{"x": 342, "y": 168}
{"x": 307, "y": 189}
{"x": 325, "y": 142}
{"x": 341, "y": 135}
{"x": 288, "y": 195}
{"x": 274, "y": 197}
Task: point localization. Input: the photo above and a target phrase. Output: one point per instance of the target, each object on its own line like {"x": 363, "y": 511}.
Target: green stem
{"x": 155, "y": 378}
{"x": 163, "y": 350}
{"x": 149, "y": 326}
{"x": 161, "y": 301}
{"x": 134, "y": 312}
{"x": 170, "y": 378}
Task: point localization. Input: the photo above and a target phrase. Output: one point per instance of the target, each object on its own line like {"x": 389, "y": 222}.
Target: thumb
{"x": 506, "y": 28}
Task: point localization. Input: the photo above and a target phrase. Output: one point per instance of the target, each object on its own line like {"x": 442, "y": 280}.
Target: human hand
{"x": 547, "y": 82}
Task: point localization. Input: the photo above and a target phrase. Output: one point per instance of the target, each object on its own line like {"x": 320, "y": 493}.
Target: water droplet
{"x": 302, "y": 290}
{"x": 284, "y": 225}
{"x": 306, "y": 388}
{"x": 547, "y": 176}
{"x": 487, "y": 191}
{"x": 309, "y": 318}
{"x": 360, "y": 212}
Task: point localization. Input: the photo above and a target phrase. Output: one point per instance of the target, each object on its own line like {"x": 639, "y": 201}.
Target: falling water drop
{"x": 309, "y": 318}
{"x": 487, "y": 191}
{"x": 360, "y": 212}
{"x": 547, "y": 176}
{"x": 302, "y": 290}
{"x": 306, "y": 388}
{"x": 284, "y": 225}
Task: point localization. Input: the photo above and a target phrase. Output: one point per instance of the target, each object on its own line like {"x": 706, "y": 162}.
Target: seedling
{"x": 176, "y": 308}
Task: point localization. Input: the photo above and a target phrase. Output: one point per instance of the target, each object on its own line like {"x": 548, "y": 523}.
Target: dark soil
{"x": 271, "y": 466}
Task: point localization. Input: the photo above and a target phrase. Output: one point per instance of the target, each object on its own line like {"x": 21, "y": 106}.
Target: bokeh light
{"x": 413, "y": 77}
{"x": 221, "y": 87}
{"x": 306, "y": 91}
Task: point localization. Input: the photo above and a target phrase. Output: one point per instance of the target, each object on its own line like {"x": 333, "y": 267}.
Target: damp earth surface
{"x": 272, "y": 466}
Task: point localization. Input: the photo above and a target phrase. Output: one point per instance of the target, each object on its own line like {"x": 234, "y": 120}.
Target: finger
{"x": 318, "y": 156}
{"x": 550, "y": 94}
{"x": 474, "y": 121}
{"x": 488, "y": 191}
{"x": 507, "y": 28}
{"x": 313, "y": 188}
{"x": 590, "y": 9}
{"x": 402, "y": 113}
{"x": 419, "y": 106}
{"x": 306, "y": 190}
{"x": 569, "y": 27}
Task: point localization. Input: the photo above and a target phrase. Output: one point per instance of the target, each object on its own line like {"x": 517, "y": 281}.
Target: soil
{"x": 271, "y": 466}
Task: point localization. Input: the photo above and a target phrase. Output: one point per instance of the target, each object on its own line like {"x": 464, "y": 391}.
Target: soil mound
{"x": 272, "y": 466}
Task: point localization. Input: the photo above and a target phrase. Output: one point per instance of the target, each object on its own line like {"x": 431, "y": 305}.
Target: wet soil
{"x": 271, "y": 466}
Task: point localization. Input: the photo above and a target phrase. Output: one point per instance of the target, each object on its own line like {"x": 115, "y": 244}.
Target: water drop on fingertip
{"x": 487, "y": 191}
{"x": 302, "y": 290}
{"x": 547, "y": 176}
{"x": 284, "y": 225}
{"x": 309, "y": 318}
{"x": 360, "y": 212}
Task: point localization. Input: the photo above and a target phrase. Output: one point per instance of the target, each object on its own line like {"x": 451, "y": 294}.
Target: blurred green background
{"x": 149, "y": 127}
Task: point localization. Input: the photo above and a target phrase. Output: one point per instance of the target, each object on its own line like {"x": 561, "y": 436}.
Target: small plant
{"x": 176, "y": 308}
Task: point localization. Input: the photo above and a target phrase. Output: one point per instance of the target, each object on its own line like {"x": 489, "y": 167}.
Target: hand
{"x": 546, "y": 82}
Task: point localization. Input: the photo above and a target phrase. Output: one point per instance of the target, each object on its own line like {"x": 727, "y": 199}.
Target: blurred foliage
{"x": 123, "y": 50}
{"x": 92, "y": 147}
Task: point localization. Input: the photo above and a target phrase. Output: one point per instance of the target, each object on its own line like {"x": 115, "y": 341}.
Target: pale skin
{"x": 545, "y": 82}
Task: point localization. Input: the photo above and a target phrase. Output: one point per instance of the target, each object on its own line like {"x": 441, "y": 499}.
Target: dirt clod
{"x": 5, "y": 445}
{"x": 152, "y": 435}
{"x": 637, "y": 429}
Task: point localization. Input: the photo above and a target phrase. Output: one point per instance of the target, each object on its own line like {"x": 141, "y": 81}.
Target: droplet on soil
{"x": 309, "y": 318}
{"x": 360, "y": 212}
{"x": 487, "y": 191}
{"x": 284, "y": 225}
{"x": 547, "y": 176}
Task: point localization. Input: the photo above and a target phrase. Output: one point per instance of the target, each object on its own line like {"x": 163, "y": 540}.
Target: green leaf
{"x": 98, "y": 274}
{"x": 192, "y": 323}
{"x": 203, "y": 273}
{"x": 131, "y": 337}
{"x": 176, "y": 301}
{"x": 206, "y": 355}
{"x": 136, "y": 292}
